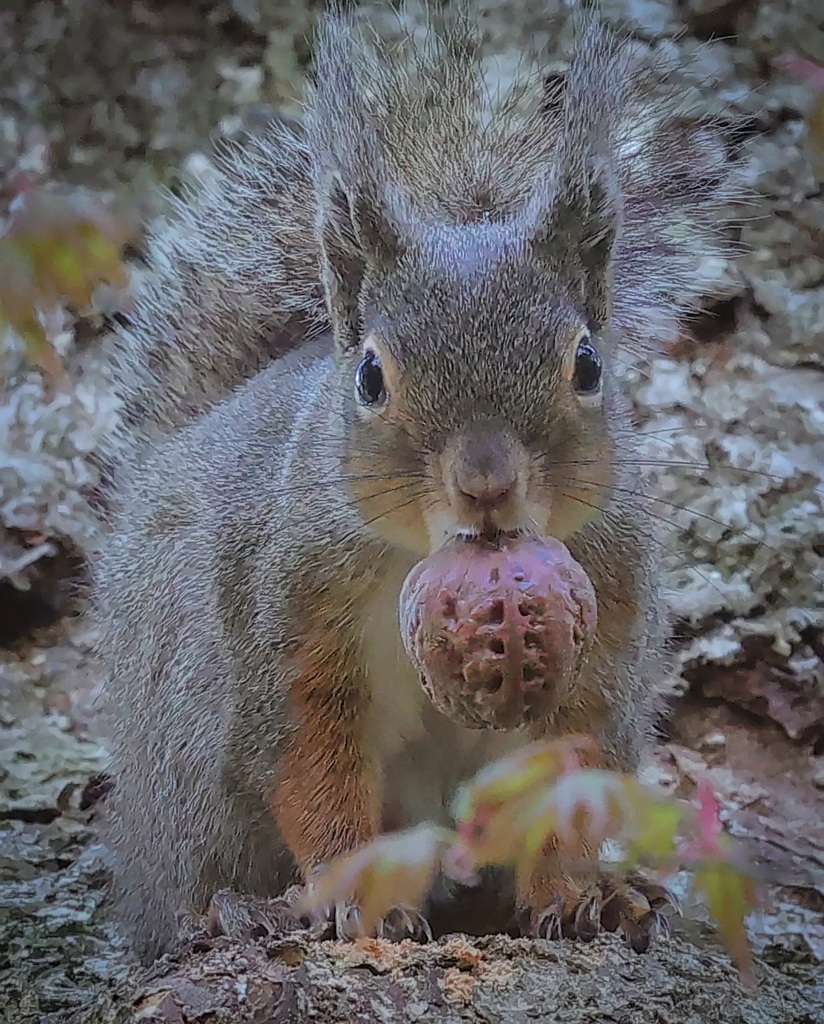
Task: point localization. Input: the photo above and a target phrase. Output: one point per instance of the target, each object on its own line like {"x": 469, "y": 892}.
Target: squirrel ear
{"x": 362, "y": 218}
{"x": 574, "y": 217}
{"x": 574, "y": 226}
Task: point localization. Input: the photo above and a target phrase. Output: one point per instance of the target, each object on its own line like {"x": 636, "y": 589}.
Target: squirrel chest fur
{"x": 468, "y": 273}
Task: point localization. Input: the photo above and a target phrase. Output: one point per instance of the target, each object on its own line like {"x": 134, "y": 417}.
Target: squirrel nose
{"x": 486, "y": 490}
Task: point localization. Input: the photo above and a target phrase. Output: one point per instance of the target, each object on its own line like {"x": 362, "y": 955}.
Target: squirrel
{"x": 399, "y": 323}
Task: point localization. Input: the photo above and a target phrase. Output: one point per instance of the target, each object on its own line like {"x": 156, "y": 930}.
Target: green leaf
{"x": 657, "y": 824}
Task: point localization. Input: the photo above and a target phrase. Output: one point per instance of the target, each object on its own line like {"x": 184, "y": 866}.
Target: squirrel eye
{"x": 369, "y": 380}
{"x": 588, "y": 367}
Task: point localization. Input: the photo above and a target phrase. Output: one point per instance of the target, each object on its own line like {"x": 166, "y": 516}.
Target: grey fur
{"x": 237, "y": 262}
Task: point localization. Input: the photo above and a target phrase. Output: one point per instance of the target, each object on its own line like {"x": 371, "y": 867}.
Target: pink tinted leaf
{"x": 706, "y": 838}
{"x": 709, "y": 812}
{"x": 802, "y": 68}
{"x": 576, "y": 812}
{"x": 589, "y": 806}
{"x": 532, "y": 767}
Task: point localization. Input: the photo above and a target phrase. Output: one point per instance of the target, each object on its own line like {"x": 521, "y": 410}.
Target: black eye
{"x": 369, "y": 380}
{"x": 588, "y": 368}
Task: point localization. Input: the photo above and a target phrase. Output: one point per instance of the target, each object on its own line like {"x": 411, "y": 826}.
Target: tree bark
{"x": 457, "y": 979}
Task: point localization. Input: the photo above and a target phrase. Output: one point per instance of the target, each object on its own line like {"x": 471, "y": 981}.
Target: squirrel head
{"x": 479, "y": 392}
{"x": 476, "y": 311}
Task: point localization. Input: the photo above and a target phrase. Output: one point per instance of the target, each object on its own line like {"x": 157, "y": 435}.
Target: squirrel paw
{"x": 399, "y": 924}
{"x": 246, "y": 918}
{"x": 634, "y": 906}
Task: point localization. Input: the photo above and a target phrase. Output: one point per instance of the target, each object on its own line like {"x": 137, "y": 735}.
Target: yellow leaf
{"x": 654, "y": 837}
{"x": 392, "y": 870}
{"x": 730, "y": 896}
{"x": 63, "y": 272}
{"x": 534, "y": 766}
{"x": 58, "y": 246}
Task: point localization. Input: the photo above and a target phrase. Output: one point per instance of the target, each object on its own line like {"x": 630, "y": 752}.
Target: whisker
{"x": 355, "y": 503}
{"x": 671, "y": 504}
{"x": 756, "y": 541}
{"x": 307, "y": 487}
{"x": 649, "y": 536}
{"x": 392, "y": 511}
{"x": 641, "y": 432}
{"x": 382, "y": 494}
{"x": 779, "y": 481}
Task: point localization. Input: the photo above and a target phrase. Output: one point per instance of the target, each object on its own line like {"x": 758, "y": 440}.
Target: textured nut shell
{"x": 498, "y": 631}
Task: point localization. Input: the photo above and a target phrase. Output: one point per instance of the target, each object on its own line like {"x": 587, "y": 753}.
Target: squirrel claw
{"x": 639, "y": 909}
{"x": 348, "y": 924}
{"x": 248, "y": 918}
{"x": 636, "y": 908}
{"x": 563, "y": 919}
{"x": 587, "y": 920}
{"x": 399, "y": 924}
{"x": 548, "y": 924}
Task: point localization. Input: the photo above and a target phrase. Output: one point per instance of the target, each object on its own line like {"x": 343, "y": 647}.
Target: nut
{"x": 498, "y": 629}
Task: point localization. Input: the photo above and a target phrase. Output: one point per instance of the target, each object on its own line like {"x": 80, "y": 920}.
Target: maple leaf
{"x": 492, "y": 811}
{"x": 804, "y": 69}
{"x": 655, "y": 837}
{"x": 392, "y": 870}
{"x": 730, "y": 892}
{"x": 730, "y": 895}
{"x": 545, "y": 793}
{"x": 515, "y": 776}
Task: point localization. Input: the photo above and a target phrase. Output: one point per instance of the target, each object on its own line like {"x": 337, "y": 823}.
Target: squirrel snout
{"x": 486, "y": 490}
{"x": 485, "y": 477}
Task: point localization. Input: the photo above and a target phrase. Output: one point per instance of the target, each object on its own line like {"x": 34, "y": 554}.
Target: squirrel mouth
{"x": 490, "y": 534}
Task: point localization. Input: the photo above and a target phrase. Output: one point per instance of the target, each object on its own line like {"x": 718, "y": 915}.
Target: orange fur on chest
{"x": 327, "y": 801}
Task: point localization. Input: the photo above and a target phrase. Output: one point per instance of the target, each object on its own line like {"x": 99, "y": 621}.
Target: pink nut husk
{"x": 498, "y": 630}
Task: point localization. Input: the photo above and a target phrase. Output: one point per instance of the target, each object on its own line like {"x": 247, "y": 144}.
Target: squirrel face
{"x": 479, "y": 398}
{"x": 473, "y": 265}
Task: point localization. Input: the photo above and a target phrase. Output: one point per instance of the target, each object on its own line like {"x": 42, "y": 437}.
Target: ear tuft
{"x": 362, "y": 220}
{"x": 574, "y": 216}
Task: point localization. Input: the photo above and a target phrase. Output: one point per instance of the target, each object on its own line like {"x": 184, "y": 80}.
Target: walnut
{"x": 499, "y": 630}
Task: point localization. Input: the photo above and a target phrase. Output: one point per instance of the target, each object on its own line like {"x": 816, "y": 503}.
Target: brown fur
{"x": 265, "y": 715}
